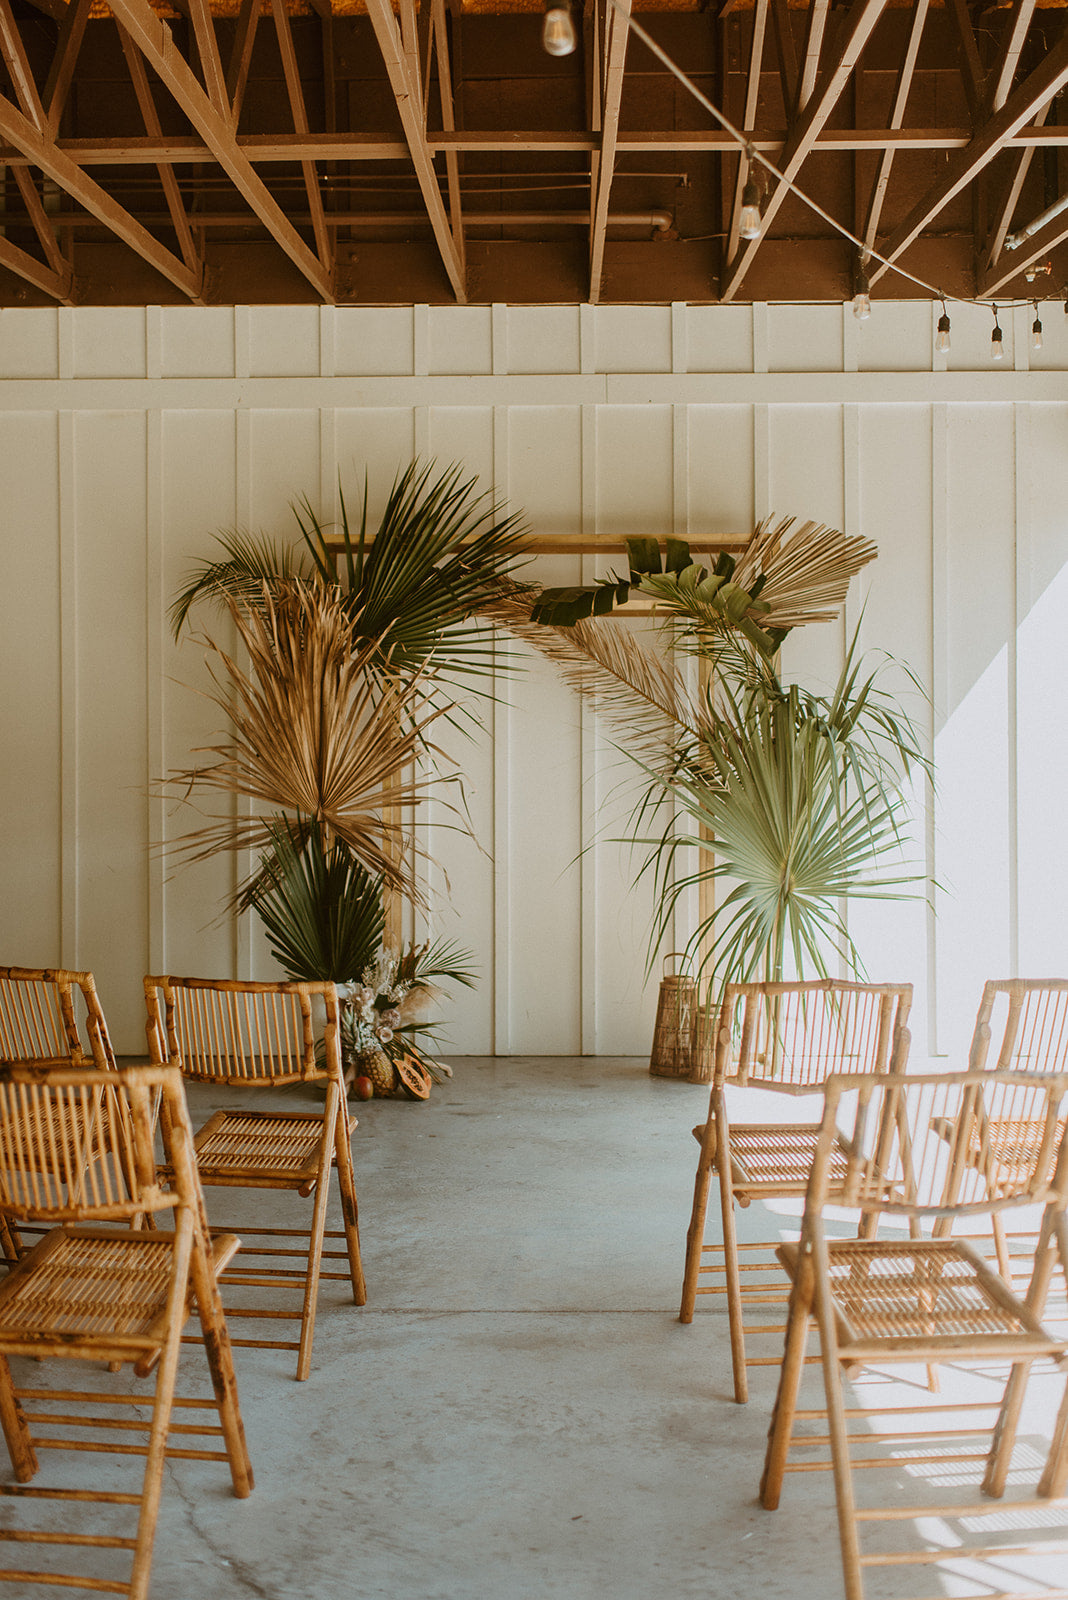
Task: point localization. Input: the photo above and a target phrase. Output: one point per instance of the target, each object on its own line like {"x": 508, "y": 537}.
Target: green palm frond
{"x": 252, "y": 561}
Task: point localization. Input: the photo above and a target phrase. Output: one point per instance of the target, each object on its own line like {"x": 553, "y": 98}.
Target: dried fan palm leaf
{"x": 806, "y": 572}
{"x": 312, "y": 732}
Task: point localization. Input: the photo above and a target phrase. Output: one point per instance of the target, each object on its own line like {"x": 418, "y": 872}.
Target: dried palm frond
{"x": 806, "y": 573}
{"x": 638, "y": 690}
{"x": 313, "y": 734}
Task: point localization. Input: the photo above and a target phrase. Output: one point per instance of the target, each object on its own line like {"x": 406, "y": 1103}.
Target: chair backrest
{"x": 792, "y": 1036}
{"x": 1031, "y": 1016}
{"x": 43, "y": 1012}
{"x": 904, "y": 1144}
{"x": 225, "y": 1031}
{"x": 77, "y": 1144}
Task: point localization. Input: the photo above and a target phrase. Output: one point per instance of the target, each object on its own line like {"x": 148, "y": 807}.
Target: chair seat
{"x": 922, "y": 1299}
{"x": 261, "y": 1147}
{"x": 99, "y": 1287}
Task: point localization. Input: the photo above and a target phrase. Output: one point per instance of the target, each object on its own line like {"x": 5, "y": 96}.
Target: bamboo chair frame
{"x": 785, "y": 1037}
{"x": 258, "y": 1035}
{"x": 77, "y": 1154}
{"x": 39, "y": 1020}
{"x": 927, "y": 1298}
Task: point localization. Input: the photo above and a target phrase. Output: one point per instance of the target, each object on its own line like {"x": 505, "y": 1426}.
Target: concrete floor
{"x": 517, "y": 1414}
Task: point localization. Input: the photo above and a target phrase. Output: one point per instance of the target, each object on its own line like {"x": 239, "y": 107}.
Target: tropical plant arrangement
{"x": 353, "y": 646}
{"x": 792, "y": 803}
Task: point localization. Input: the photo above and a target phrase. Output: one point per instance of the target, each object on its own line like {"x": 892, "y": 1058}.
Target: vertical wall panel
{"x": 111, "y": 711}
{"x": 117, "y": 485}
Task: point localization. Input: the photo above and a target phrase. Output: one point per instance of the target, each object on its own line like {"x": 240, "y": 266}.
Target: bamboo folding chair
{"x": 785, "y": 1037}
{"x": 1032, "y": 1018}
{"x": 923, "y": 1296}
{"x": 77, "y": 1152}
{"x": 47, "y": 1012}
{"x": 254, "y": 1036}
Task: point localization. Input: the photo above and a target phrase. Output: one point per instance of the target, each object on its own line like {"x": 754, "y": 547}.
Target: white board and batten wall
{"x": 130, "y": 436}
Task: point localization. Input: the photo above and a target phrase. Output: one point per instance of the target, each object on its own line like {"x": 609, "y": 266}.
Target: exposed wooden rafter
{"x": 616, "y": 35}
{"x": 897, "y": 117}
{"x": 752, "y": 95}
{"x": 295, "y": 91}
{"x": 855, "y": 31}
{"x": 409, "y": 104}
{"x": 171, "y": 191}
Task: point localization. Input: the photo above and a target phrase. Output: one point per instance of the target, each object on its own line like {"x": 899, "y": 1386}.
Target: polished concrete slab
{"x": 517, "y": 1414}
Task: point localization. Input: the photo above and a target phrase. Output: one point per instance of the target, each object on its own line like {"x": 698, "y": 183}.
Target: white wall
{"x": 129, "y": 437}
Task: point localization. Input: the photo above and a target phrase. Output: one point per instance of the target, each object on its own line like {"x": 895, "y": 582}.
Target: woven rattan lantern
{"x": 673, "y": 1035}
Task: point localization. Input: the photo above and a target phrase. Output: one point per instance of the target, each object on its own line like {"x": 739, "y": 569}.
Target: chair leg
{"x": 798, "y": 1317}
{"x": 1000, "y": 1457}
{"x": 16, "y": 1429}
{"x": 735, "y": 1315}
{"x": 695, "y": 1235}
{"x": 221, "y": 1365}
{"x": 346, "y": 1182}
{"x": 315, "y": 1262}
{"x": 1054, "y": 1478}
{"x": 840, "y": 1461}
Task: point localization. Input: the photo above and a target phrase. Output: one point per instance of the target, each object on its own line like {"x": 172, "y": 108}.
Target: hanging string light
{"x": 942, "y": 336}
{"x": 861, "y": 297}
{"x": 558, "y": 37}
{"x": 751, "y": 221}
{"x": 1036, "y": 330}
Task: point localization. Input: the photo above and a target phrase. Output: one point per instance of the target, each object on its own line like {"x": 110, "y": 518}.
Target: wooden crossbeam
{"x": 43, "y": 228}
{"x": 1001, "y": 75}
{"x": 299, "y": 113}
{"x": 787, "y": 52}
{"x": 810, "y": 55}
{"x": 155, "y": 41}
{"x": 440, "y": 44}
{"x": 135, "y": 62}
{"x": 854, "y": 33}
{"x": 617, "y": 34}
{"x": 19, "y": 70}
{"x": 1024, "y": 103}
{"x": 897, "y": 117}
{"x": 210, "y": 60}
{"x": 1005, "y": 209}
{"x": 241, "y": 56}
{"x": 61, "y": 74}
{"x": 60, "y": 285}
{"x": 971, "y": 66}
{"x": 42, "y": 152}
{"x": 409, "y": 102}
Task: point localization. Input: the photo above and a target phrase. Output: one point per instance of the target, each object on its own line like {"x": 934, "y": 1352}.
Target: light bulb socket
{"x": 861, "y": 298}
{"x": 749, "y": 218}
{"x": 997, "y": 346}
{"x": 942, "y": 336}
{"x": 558, "y": 36}
{"x": 1036, "y": 334}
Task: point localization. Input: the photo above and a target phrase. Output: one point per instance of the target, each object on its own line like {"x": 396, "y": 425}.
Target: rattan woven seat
{"x": 255, "y": 1035}
{"x": 99, "y": 1289}
{"x": 787, "y": 1038}
{"x": 928, "y": 1298}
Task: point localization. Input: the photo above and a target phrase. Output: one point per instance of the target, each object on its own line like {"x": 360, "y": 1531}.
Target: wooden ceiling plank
{"x": 299, "y": 112}
{"x": 440, "y": 39}
{"x": 1004, "y": 70}
{"x": 810, "y": 55}
{"x": 752, "y": 97}
{"x": 210, "y": 59}
{"x": 61, "y": 75}
{"x": 855, "y": 31}
{"x": 42, "y": 152}
{"x": 17, "y": 62}
{"x": 1037, "y": 90}
{"x": 155, "y": 41}
{"x": 617, "y": 34}
{"x": 42, "y": 225}
{"x": 407, "y": 97}
{"x": 787, "y": 49}
{"x": 241, "y": 56}
{"x": 427, "y": 30}
{"x": 172, "y": 193}
{"x": 905, "y": 76}
{"x": 59, "y": 285}
{"x": 971, "y": 66}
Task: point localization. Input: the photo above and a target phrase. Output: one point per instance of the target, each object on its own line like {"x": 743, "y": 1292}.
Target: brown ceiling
{"x": 398, "y": 151}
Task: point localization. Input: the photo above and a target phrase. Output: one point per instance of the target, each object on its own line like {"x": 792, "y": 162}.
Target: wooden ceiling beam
{"x": 1004, "y": 209}
{"x": 20, "y": 72}
{"x": 971, "y": 66}
{"x": 440, "y": 40}
{"x": 406, "y": 93}
{"x": 999, "y": 81}
{"x": 42, "y": 226}
{"x": 58, "y": 285}
{"x": 617, "y": 35}
{"x": 42, "y": 152}
{"x": 752, "y": 98}
{"x": 854, "y": 33}
{"x": 241, "y": 56}
{"x": 210, "y": 60}
{"x": 810, "y": 54}
{"x": 1037, "y": 90}
{"x": 156, "y": 42}
{"x": 61, "y": 75}
{"x": 787, "y": 53}
{"x": 135, "y": 63}
{"x": 298, "y": 110}
{"x": 897, "y": 116}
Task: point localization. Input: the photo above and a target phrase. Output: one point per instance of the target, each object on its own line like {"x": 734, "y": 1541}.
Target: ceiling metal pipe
{"x": 1013, "y": 241}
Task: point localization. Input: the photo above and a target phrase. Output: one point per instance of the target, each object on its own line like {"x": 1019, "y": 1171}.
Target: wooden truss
{"x": 837, "y": 97}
